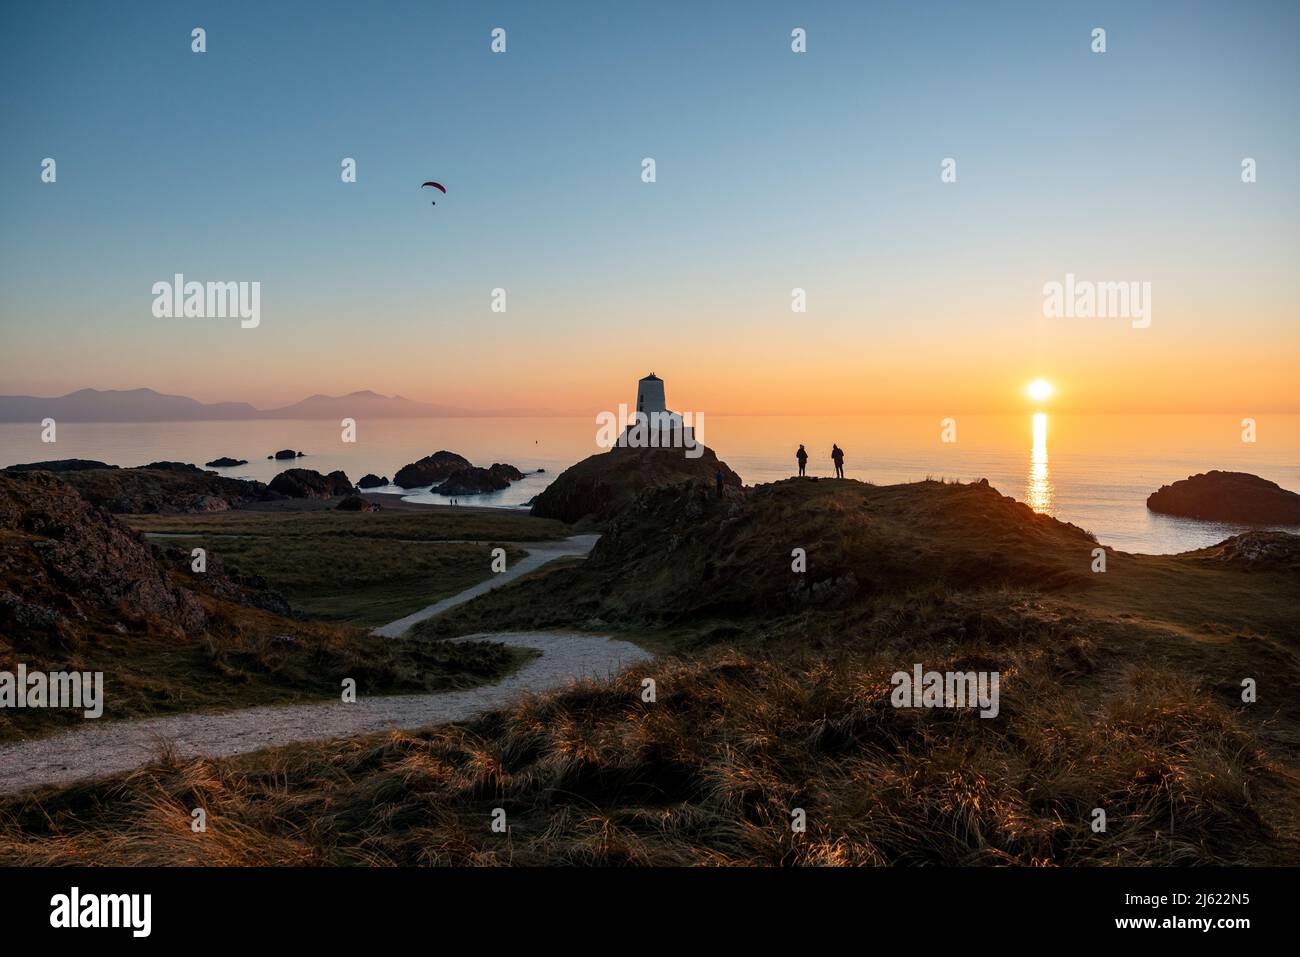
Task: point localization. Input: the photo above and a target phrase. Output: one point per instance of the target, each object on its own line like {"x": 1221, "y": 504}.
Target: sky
{"x": 775, "y": 170}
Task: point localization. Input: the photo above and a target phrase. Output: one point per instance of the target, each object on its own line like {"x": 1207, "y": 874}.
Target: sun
{"x": 1039, "y": 390}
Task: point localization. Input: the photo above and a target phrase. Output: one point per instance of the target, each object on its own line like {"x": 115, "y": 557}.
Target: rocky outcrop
{"x": 1256, "y": 551}
{"x": 507, "y": 472}
{"x": 355, "y": 503}
{"x": 599, "y": 486}
{"x": 209, "y": 503}
{"x": 166, "y": 490}
{"x": 1228, "y": 497}
{"x": 66, "y": 566}
{"x": 308, "y": 483}
{"x": 225, "y": 462}
{"x": 171, "y": 467}
{"x": 473, "y": 481}
{"x": 286, "y": 454}
{"x": 60, "y": 465}
{"x": 431, "y": 469}
{"x": 371, "y": 480}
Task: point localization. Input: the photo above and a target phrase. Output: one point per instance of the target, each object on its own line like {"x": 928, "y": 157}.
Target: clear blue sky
{"x": 774, "y": 170}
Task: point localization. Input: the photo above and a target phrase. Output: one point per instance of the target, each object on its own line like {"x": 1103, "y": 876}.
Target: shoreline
{"x": 389, "y": 501}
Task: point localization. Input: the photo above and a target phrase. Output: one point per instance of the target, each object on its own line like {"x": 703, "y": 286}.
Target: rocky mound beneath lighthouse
{"x": 602, "y": 485}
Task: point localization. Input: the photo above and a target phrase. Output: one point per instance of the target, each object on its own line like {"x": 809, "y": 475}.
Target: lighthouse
{"x": 650, "y": 395}
{"x": 654, "y": 425}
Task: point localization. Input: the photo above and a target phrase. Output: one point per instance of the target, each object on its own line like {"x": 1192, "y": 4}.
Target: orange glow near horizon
{"x": 832, "y": 368}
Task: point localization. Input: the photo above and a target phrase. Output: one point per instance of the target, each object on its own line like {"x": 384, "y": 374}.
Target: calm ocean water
{"x": 1094, "y": 471}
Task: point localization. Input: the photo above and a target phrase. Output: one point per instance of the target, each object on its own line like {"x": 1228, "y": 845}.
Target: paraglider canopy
{"x": 434, "y": 185}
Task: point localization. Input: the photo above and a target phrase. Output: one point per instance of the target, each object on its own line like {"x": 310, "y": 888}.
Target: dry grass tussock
{"x": 710, "y": 773}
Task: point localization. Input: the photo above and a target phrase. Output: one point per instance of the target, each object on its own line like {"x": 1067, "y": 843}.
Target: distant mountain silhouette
{"x": 112, "y": 405}
{"x": 364, "y": 403}
{"x": 146, "y": 405}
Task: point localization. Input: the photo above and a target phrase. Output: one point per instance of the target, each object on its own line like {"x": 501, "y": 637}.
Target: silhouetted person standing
{"x": 718, "y": 476}
{"x": 837, "y": 456}
{"x": 802, "y": 456}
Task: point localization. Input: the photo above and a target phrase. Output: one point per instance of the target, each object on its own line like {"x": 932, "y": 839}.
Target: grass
{"x": 354, "y": 580}
{"x": 738, "y": 738}
{"x": 248, "y": 657}
{"x": 1119, "y": 691}
{"x": 363, "y": 568}
{"x": 435, "y": 525}
{"x": 346, "y": 571}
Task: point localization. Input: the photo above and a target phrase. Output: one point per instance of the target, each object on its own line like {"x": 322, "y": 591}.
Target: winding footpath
{"x": 539, "y": 553}
{"x": 98, "y": 750}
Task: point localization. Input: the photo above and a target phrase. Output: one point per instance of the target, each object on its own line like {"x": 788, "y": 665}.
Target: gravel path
{"x": 539, "y": 553}
{"x": 97, "y": 750}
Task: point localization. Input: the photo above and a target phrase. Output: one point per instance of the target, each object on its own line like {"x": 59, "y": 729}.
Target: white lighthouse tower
{"x": 653, "y": 424}
{"x": 650, "y": 395}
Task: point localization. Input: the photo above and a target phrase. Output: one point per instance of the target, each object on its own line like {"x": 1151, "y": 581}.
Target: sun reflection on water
{"x": 1039, "y": 491}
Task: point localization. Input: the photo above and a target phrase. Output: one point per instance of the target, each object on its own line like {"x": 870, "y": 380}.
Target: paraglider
{"x": 437, "y": 186}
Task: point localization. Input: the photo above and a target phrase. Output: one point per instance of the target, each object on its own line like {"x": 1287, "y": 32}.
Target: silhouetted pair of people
{"x": 837, "y": 456}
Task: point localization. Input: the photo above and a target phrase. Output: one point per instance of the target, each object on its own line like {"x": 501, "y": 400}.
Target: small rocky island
{"x": 451, "y": 474}
{"x": 431, "y": 469}
{"x": 1228, "y": 497}
{"x": 308, "y": 483}
{"x": 476, "y": 481}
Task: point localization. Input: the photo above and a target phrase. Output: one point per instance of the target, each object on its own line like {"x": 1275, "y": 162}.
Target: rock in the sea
{"x": 601, "y": 485}
{"x": 371, "y": 480}
{"x": 308, "y": 483}
{"x": 225, "y": 462}
{"x": 355, "y": 503}
{"x": 1228, "y": 497}
{"x": 60, "y": 465}
{"x": 473, "y": 481}
{"x": 170, "y": 467}
{"x": 507, "y": 472}
{"x": 431, "y": 469}
{"x": 286, "y": 454}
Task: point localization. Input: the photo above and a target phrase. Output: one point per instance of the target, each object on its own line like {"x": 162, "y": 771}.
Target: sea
{"x": 1093, "y": 470}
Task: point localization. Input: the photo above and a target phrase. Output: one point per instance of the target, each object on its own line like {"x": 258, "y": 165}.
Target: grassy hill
{"x": 603, "y": 485}
{"x": 359, "y": 568}
{"x": 683, "y": 557}
{"x": 80, "y": 590}
{"x": 1119, "y": 690}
